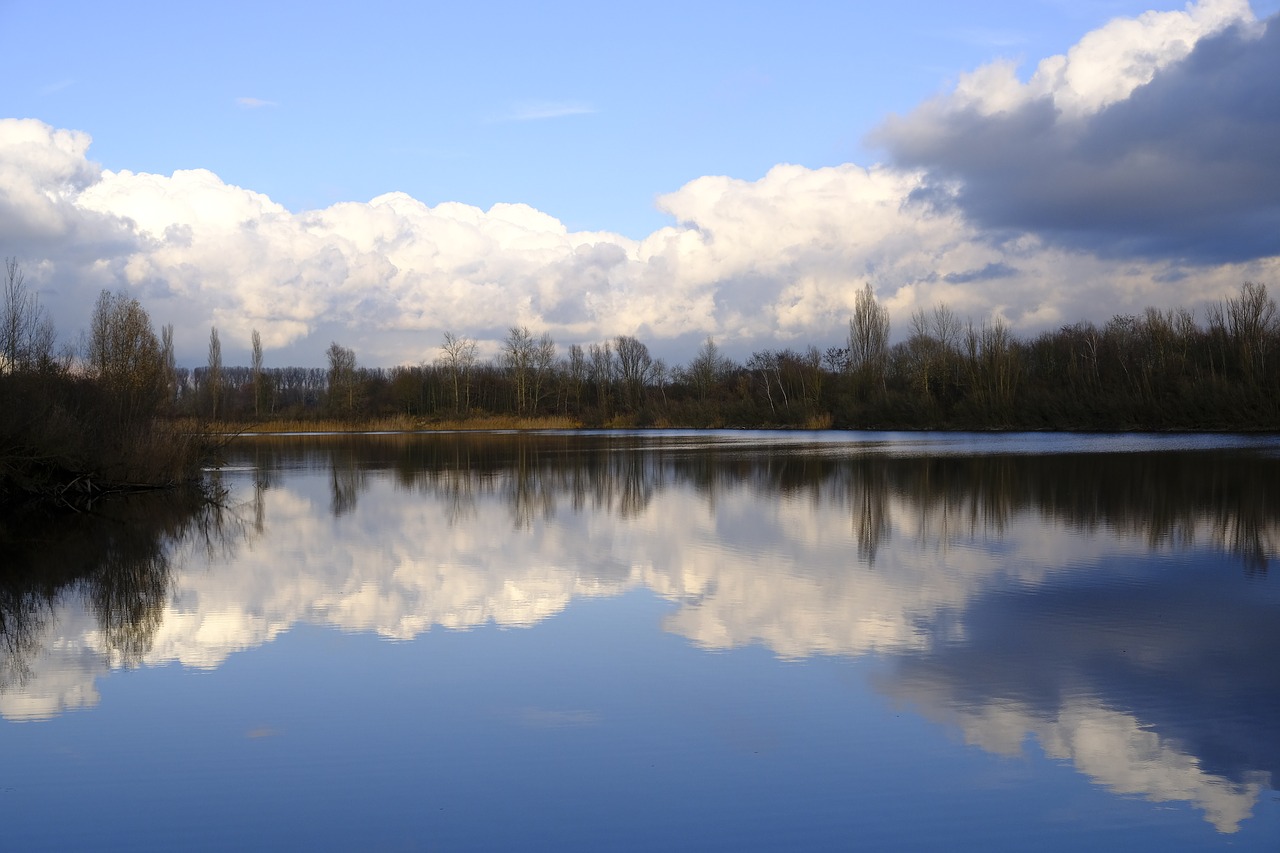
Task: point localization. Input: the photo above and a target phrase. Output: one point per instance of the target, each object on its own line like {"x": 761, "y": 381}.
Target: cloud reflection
{"x": 1010, "y": 595}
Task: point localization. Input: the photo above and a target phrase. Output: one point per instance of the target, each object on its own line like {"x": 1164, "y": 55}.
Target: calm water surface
{"x": 659, "y": 641}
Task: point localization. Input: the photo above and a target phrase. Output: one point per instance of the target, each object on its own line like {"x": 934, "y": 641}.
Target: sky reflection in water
{"x": 1080, "y": 608}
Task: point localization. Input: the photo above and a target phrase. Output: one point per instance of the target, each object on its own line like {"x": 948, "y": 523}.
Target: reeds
{"x": 65, "y": 440}
{"x": 400, "y": 423}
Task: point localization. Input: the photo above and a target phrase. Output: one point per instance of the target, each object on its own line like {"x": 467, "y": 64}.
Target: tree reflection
{"x": 527, "y": 489}
{"x": 23, "y": 611}
{"x": 119, "y": 558}
{"x": 1011, "y": 594}
{"x": 346, "y": 483}
{"x": 128, "y": 592}
{"x": 868, "y": 499}
{"x": 1229, "y": 499}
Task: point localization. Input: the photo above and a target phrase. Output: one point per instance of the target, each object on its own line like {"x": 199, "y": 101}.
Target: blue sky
{"x": 588, "y": 115}
{"x": 441, "y": 101}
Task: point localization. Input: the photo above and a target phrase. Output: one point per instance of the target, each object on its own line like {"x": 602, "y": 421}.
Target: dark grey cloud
{"x": 1181, "y": 657}
{"x": 990, "y": 272}
{"x": 1186, "y": 167}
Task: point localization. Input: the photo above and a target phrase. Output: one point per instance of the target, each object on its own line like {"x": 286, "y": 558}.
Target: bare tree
{"x": 576, "y": 370}
{"x": 458, "y": 359}
{"x": 869, "y": 336}
{"x": 992, "y": 361}
{"x": 930, "y": 353}
{"x": 812, "y": 378}
{"x": 168, "y": 364}
{"x": 947, "y": 327}
{"x": 661, "y": 375}
{"x": 762, "y": 363}
{"x": 256, "y": 340}
{"x": 707, "y": 368}
{"x": 634, "y": 365}
{"x": 517, "y": 355}
{"x": 601, "y": 369}
{"x": 543, "y": 360}
{"x": 215, "y": 371}
{"x": 342, "y": 378}
{"x": 1251, "y": 325}
{"x": 918, "y": 356}
{"x": 125, "y": 355}
{"x": 26, "y": 334}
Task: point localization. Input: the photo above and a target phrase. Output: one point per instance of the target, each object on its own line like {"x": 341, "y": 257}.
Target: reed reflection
{"x": 114, "y": 566}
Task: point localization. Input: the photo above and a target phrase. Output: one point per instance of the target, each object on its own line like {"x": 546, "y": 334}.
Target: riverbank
{"x": 67, "y": 442}
{"x": 397, "y": 423}
{"x": 498, "y": 423}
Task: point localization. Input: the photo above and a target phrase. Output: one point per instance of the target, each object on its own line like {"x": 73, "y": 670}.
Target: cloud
{"x": 541, "y": 110}
{"x": 990, "y": 272}
{"x": 1152, "y": 138}
{"x": 1114, "y": 749}
{"x": 1125, "y": 705}
{"x": 55, "y": 87}
{"x": 1136, "y": 170}
{"x": 255, "y": 103}
{"x": 63, "y": 247}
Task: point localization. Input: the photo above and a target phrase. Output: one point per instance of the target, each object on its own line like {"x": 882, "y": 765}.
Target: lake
{"x": 658, "y": 641}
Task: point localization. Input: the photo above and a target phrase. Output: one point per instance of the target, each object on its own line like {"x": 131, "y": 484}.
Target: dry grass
{"x": 820, "y": 422}
{"x": 66, "y": 441}
{"x": 492, "y": 422}
{"x": 402, "y": 423}
{"x": 476, "y": 423}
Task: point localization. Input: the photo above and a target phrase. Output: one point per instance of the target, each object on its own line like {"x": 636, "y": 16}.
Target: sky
{"x": 380, "y": 174}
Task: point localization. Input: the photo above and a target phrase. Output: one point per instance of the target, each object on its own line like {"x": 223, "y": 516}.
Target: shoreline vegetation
{"x": 481, "y": 423}
{"x": 78, "y": 426}
{"x": 1163, "y": 371}
{"x": 401, "y": 423}
{"x": 116, "y": 414}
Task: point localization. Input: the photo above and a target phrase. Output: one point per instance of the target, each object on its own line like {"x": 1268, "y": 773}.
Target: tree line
{"x": 1159, "y": 370}
{"x": 116, "y": 409}
{"x": 88, "y": 419}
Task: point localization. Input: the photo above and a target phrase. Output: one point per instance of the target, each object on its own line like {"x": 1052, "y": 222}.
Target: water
{"x": 638, "y": 641}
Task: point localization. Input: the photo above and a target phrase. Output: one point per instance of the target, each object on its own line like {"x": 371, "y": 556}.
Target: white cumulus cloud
{"x": 975, "y": 220}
